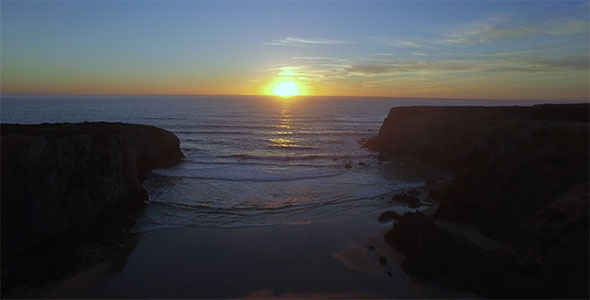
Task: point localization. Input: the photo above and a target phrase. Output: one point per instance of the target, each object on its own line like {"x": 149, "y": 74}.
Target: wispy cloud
{"x": 409, "y": 67}
{"x": 394, "y": 42}
{"x": 313, "y": 58}
{"x": 369, "y": 70}
{"x": 313, "y": 72}
{"x": 381, "y": 54}
{"x": 319, "y": 59}
{"x": 527, "y": 64}
{"x": 489, "y": 32}
{"x": 304, "y": 42}
{"x": 466, "y": 56}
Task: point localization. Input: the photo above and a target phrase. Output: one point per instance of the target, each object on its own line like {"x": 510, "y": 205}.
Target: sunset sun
{"x": 286, "y": 88}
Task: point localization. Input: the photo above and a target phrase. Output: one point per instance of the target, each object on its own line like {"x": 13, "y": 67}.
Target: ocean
{"x": 252, "y": 160}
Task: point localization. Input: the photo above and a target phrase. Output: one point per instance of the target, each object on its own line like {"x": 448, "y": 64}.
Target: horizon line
{"x": 298, "y": 96}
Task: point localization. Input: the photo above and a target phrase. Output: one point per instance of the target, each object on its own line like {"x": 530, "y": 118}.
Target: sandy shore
{"x": 343, "y": 259}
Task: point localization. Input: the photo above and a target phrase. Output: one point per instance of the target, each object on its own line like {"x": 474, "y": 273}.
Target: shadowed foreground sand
{"x": 312, "y": 261}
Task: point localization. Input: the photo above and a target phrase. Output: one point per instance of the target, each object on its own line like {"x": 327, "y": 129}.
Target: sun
{"x": 285, "y": 88}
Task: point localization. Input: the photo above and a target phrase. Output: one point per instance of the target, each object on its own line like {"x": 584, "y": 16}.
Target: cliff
{"x": 521, "y": 174}
{"x": 507, "y": 162}
{"x": 66, "y": 179}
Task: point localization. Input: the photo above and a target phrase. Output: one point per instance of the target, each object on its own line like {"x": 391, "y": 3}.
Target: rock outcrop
{"x": 549, "y": 255}
{"x": 521, "y": 173}
{"x": 547, "y": 258}
{"x": 63, "y": 179}
{"x": 441, "y": 256}
{"x": 507, "y": 162}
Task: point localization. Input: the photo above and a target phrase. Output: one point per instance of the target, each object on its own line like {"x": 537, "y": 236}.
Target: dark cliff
{"x": 508, "y": 162}
{"x": 521, "y": 174}
{"x": 62, "y": 179}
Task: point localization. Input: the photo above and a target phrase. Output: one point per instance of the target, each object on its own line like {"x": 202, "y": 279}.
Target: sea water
{"x": 251, "y": 161}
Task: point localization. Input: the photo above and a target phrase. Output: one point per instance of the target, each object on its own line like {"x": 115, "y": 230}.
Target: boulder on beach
{"x": 411, "y": 200}
{"x": 441, "y": 256}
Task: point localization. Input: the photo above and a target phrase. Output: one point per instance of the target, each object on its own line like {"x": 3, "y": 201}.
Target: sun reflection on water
{"x": 284, "y": 123}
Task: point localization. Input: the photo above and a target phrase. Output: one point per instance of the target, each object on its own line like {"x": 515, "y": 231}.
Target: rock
{"x": 69, "y": 178}
{"x": 347, "y": 166}
{"x": 521, "y": 174}
{"x": 434, "y": 195}
{"x": 413, "y": 192}
{"x": 362, "y": 163}
{"x": 507, "y": 162}
{"x": 550, "y": 253}
{"x": 442, "y": 257}
{"x": 412, "y": 201}
{"x": 388, "y": 216}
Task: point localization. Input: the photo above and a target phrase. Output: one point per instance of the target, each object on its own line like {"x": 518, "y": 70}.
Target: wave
{"x": 250, "y": 173}
{"x": 258, "y": 163}
{"x": 212, "y": 132}
{"x": 186, "y": 213}
{"x": 272, "y": 124}
{"x": 237, "y": 210}
{"x": 293, "y": 132}
{"x": 290, "y": 147}
{"x": 297, "y": 157}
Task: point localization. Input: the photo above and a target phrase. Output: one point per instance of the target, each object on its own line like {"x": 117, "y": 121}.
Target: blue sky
{"x": 458, "y": 49}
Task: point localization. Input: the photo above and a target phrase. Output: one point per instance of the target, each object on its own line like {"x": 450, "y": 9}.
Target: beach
{"x": 332, "y": 260}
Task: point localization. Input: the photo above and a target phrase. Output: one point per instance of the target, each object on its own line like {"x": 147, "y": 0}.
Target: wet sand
{"x": 332, "y": 260}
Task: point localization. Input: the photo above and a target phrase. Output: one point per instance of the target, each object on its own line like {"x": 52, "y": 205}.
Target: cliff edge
{"x": 507, "y": 162}
{"x": 64, "y": 179}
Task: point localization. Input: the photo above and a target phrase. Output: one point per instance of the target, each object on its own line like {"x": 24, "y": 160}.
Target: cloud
{"x": 526, "y": 64}
{"x": 577, "y": 62}
{"x": 369, "y": 69}
{"x": 483, "y": 33}
{"x": 418, "y": 53}
{"x": 410, "y": 67}
{"x": 313, "y": 58}
{"x": 383, "y": 54}
{"x": 304, "y": 42}
{"x": 409, "y": 44}
{"x": 319, "y": 59}
{"x": 394, "y": 42}
{"x": 567, "y": 27}
{"x": 313, "y": 72}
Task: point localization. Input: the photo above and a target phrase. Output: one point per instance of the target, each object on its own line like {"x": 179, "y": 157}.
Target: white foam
{"x": 251, "y": 173}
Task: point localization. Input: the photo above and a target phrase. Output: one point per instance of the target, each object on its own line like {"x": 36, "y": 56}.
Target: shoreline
{"x": 339, "y": 259}
{"x": 345, "y": 252}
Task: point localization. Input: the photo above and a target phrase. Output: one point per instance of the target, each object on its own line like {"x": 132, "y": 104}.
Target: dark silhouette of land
{"x": 519, "y": 173}
{"x": 64, "y": 185}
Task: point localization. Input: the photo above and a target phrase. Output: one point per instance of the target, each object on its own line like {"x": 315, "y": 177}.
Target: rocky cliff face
{"x": 61, "y": 179}
{"x": 508, "y": 162}
{"x": 522, "y": 174}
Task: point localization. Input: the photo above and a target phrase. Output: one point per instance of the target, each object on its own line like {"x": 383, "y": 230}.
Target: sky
{"x": 532, "y": 50}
